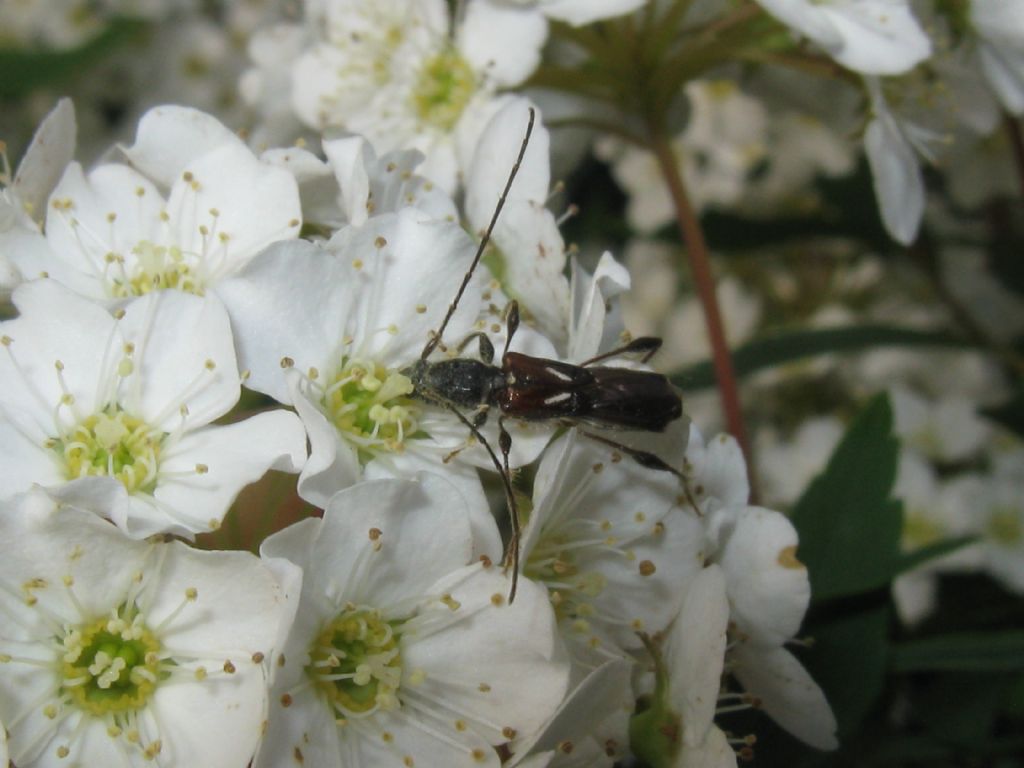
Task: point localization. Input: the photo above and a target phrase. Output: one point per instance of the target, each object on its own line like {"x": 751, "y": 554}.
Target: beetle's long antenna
{"x": 436, "y": 338}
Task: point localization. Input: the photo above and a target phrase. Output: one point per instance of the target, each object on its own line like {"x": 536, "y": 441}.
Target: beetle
{"x": 537, "y": 389}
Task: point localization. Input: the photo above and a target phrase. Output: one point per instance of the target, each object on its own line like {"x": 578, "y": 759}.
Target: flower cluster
{"x": 153, "y": 288}
{"x": 296, "y": 278}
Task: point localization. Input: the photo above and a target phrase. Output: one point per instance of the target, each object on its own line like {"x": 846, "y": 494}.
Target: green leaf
{"x": 911, "y": 560}
{"x": 27, "y": 70}
{"x": 787, "y": 346}
{"x": 849, "y": 527}
{"x": 963, "y": 651}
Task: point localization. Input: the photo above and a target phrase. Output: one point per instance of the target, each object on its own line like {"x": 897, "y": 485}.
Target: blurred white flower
{"x": 402, "y": 651}
{"x": 946, "y": 429}
{"x": 933, "y": 511}
{"x": 395, "y": 72}
{"x": 787, "y": 464}
{"x": 114, "y": 413}
{"x": 875, "y": 37}
{"x": 999, "y": 25}
{"x": 718, "y": 151}
{"x": 126, "y": 653}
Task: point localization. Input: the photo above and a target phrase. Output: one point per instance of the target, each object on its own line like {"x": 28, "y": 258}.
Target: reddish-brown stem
{"x": 1017, "y": 145}
{"x": 700, "y": 268}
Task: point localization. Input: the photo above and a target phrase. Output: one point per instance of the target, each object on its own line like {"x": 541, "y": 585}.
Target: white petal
{"x": 695, "y": 653}
{"x": 55, "y": 325}
{"x": 424, "y": 535}
{"x": 502, "y": 42}
{"x": 292, "y": 301}
{"x": 24, "y": 460}
{"x": 788, "y": 694}
{"x": 256, "y": 204}
{"x": 496, "y": 153}
{"x": 590, "y": 702}
{"x": 405, "y": 465}
{"x": 580, "y": 12}
{"x": 899, "y": 186}
{"x": 237, "y": 610}
{"x": 409, "y": 269}
{"x": 333, "y": 463}
{"x": 768, "y": 587}
{"x": 169, "y": 137}
{"x": 589, "y": 333}
{"x": 487, "y": 641}
{"x": 184, "y": 356}
{"x": 880, "y": 37}
{"x": 714, "y": 752}
{"x": 52, "y": 148}
{"x": 233, "y": 456}
{"x": 196, "y": 716}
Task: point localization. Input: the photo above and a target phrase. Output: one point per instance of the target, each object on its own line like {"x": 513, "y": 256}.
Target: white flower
{"x": 768, "y": 591}
{"x": 1000, "y": 28}
{"x": 875, "y": 37}
{"x": 402, "y": 651}
{"x": 113, "y": 234}
{"x": 121, "y": 653}
{"x": 354, "y": 184}
{"x": 392, "y": 72}
{"x": 945, "y": 429}
{"x": 114, "y": 413}
{"x": 717, "y": 152}
{"x": 995, "y": 504}
{"x": 786, "y": 466}
{"x": 932, "y": 512}
{"x": 531, "y": 252}
{"x": 611, "y": 542}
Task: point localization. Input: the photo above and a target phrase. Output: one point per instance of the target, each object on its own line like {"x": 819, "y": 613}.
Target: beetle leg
{"x": 651, "y": 461}
{"x": 511, "y": 324}
{"x": 486, "y": 348}
{"x": 646, "y": 345}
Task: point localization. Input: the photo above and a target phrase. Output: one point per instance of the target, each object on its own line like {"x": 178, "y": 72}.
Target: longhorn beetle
{"x": 537, "y": 389}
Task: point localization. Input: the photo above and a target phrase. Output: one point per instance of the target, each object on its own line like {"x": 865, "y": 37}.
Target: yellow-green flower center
{"x": 1004, "y": 525}
{"x": 370, "y": 403}
{"x": 355, "y": 662}
{"x": 111, "y": 665}
{"x": 157, "y": 267}
{"x": 113, "y": 444}
{"x": 554, "y": 562}
{"x": 446, "y": 84}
